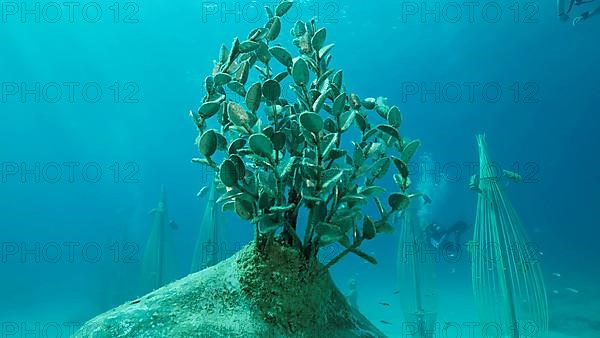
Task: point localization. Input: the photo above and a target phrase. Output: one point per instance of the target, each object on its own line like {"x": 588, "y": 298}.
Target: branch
{"x": 337, "y": 258}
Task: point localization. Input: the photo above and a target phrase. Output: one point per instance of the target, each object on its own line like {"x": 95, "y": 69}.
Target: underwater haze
{"x": 94, "y": 120}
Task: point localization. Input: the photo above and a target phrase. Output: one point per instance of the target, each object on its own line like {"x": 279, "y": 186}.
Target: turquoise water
{"x": 94, "y": 119}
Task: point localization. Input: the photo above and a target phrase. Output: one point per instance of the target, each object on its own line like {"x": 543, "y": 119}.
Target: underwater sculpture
{"x": 416, "y": 277}
{"x": 158, "y": 264}
{"x": 507, "y": 279}
{"x": 208, "y": 249}
{"x": 565, "y": 7}
{"x": 279, "y": 160}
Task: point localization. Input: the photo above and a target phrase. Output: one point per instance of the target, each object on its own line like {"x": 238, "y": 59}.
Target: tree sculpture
{"x": 279, "y": 159}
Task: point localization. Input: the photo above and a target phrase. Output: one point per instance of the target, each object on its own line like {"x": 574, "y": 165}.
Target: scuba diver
{"x": 438, "y": 237}
{"x": 585, "y": 15}
{"x": 566, "y": 6}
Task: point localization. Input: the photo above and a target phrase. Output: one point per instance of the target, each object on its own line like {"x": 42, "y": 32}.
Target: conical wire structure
{"x": 159, "y": 263}
{"x": 416, "y": 279}
{"x": 210, "y": 246}
{"x": 507, "y": 279}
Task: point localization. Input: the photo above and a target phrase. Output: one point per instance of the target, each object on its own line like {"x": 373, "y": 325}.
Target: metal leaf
{"x": 394, "y": 117}
{"x": 228, "y": 173}
{"x": 300, "y": 72}
{"x": 248, "y": 46}
{"x": 398, "y": 201}
{"x": 208, "y": 109}
{"x": 274, "y": 26}
{"x": 283, "y": 7}
{"x": 222, "y": 79}
{"x": 208, "y": 143}
{"x": 409, "y": 150}
{"x": 369, "y": 230}
{"x": 261, "y": 145}
{"x": 282, "y": 55}
{"x": 271, "y": 90}
{"x": 253, "y": 97}
{"x": 318, "y": 40}
{"x": 311, "y": 122}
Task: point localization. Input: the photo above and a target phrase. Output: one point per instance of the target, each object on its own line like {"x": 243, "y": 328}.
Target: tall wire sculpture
{"x": 507, "y": 279}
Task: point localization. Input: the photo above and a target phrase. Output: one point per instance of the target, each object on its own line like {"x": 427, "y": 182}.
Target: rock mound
{"x": 247, "y": 295}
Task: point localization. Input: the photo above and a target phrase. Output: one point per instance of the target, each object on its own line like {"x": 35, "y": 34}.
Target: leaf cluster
{"x": 276, "y": 157}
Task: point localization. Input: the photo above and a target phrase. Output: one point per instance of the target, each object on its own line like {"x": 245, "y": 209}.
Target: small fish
{"x": 135, "y": 301}
{"x": 386, "y": 322}
{"x": 453, "y": 271}
{"x": 202, "y": 191}
{"x": 541, "y": 253}
{"x": 555, "y": 292}
{"x": 173, "y": 225}
{"x": 384, "y": 303}
{"x": 396, "y": 292}
{"x": 511, "y": 175}
{"x": 474, "y": 183}
{"x": 556, "y": 274}
{"x": 572, "y": 290}
{"x": 426, "y": 199}
{"x": 431, "y": 294}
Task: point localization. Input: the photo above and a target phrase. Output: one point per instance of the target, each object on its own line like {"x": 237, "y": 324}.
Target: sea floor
{"x": 571, "y": 314}
{"x": 576, "y": 315}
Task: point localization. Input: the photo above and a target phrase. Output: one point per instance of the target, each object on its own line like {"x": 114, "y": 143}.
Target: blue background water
{"x": 549, "y": 132}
